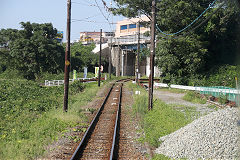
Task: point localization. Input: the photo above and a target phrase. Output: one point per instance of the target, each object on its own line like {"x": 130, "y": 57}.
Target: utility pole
{"x": 100, "y": 54}
{"x": 118, "y": 62}
{"x": 67, "y": 58}
{"x": 110, "y": 60}
{"x": 138, "y": 52}
{"x": 152, "y": 56}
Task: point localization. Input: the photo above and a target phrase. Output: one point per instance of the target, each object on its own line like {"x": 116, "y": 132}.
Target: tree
{"x": 131, "y": 8}
{"x": 211, "y": 41}
{"x": 181, "y": 58}
{"x": 82, "y": 56}
{"x": 36, "y": 50}
{"x": 6, "y": 36}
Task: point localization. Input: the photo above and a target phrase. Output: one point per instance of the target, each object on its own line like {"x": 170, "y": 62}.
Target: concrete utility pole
{"x": 138, "y": 52}
{"x": 110, "y": 60}
{"x": 67, "y": 58}
{"x": 152, "y": 56}
{"x": 118, "y": 62}
{"x": 100, "y": 54}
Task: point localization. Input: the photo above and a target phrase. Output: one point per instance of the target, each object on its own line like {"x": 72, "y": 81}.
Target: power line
{"x": 103, "y": 15}
{"x": 199, "y": 25}
{"x": 92, "y": 21}
{"x": 89, "y": 4}
{"x": 75, "y": 20}
{"x": 87, "y": 1}
{"x": 171, "y": 34}
{"x": 83, "y": 3}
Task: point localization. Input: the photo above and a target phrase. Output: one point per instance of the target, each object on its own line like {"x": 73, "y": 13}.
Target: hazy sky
{"x": 12, "y": 12}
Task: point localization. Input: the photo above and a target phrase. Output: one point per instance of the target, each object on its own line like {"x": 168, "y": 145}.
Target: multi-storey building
{"x": 94, "y": 37}
{"x": 125, "y": 47}
{"x": 128, "y": 27}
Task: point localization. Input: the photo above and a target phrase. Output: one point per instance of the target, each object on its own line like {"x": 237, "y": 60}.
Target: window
{"x": 123, "y": 27}
{"x": 132, "y": 26}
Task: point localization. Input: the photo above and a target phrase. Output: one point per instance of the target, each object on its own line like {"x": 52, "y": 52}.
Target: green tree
{"x": 200, "y": 47}
{"x": 82, "y": 56}
{"x": 6, "y": 36}
{"x": 35, "y": 50}
{"x": 181, "y": 58}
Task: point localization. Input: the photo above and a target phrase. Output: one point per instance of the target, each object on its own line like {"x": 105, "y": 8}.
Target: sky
{"x": 12, "y": 12}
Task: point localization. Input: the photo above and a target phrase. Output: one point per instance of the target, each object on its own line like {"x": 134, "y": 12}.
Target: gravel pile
{"x": 214, "y": 136}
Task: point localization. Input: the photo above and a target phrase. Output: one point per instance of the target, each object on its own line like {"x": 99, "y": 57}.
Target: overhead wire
{"x": 92, "y": 21}
{"x": 189, "y": 25}
{"x": 87, "y": 1}
{"x": 75, "y": 20}
{"x": 103, "y": 14}
{"x": 89, "y": 4}
{"x": 194, "y": 28}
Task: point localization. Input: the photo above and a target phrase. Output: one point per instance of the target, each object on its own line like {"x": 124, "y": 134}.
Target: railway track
{"x": 101, "y": 140}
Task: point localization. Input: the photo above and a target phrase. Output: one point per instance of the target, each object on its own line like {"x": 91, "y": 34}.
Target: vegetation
{"x": 187, "y": 57}
{"x": 34, "y": 51}
{"x": 31, "y": 116}
{"x": 162, "y": 120}
{"x": 81, "y": 56}
{"x": 172, "y": 90}
{"x": 160, "y": 157}
{"x": 194, "y": 97}
{"x": 213, "y": 107}
{"x": 219, "y": 76}
{"x": 223, "y": 99}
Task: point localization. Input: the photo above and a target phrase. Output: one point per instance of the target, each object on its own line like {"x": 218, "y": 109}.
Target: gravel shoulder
{"x": 176, "y": 99}
{"x": 215, "y": 135}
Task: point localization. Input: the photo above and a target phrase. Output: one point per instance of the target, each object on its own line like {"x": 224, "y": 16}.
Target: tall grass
{"x": 194, "y": 97}
{"x": 162, "y": 120}
{"x": 31, "y": 116}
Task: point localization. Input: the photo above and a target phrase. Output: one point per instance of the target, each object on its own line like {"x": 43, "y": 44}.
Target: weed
{"x": 172, "y": 90}
{"x": 213, "y": 107}
{"x": 160, "y": 157}
{"x": 162, "y": 120}
{"x": 74, "y": 138}
{"x": 31, "y": 117}
{"x": 92, "y": 110}
{"x": 223, "y": 99}
{"x": 194, "y": 97}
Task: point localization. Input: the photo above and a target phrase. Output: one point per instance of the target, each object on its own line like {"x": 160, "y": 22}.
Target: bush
{"x": 76, "y": 87}
{"x": 31, "y": 117}
{"x": 218, "y": 76}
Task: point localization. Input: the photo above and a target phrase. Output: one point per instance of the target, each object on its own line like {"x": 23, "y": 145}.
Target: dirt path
{"x": 176, "y": 99}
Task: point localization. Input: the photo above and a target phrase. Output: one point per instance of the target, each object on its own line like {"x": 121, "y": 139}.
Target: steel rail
{"x": 116, "y": 129}
{"x": 76, "y": 154}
